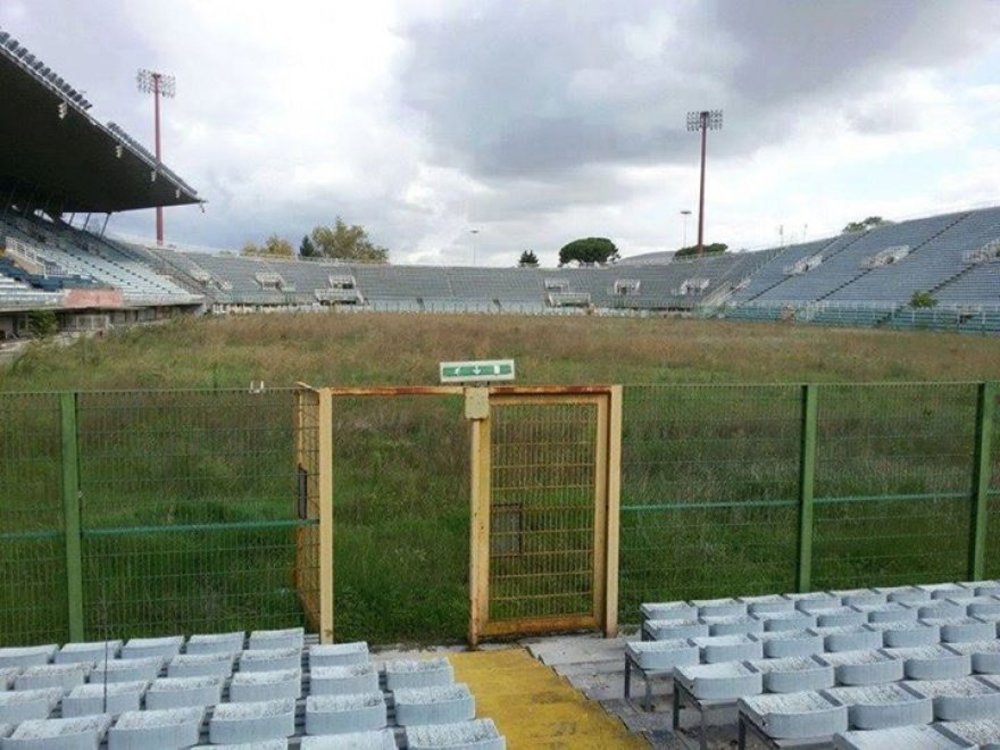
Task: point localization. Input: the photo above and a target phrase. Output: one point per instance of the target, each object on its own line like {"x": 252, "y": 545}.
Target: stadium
{"x": 796, "y": 533}
{"x": 91, "y": 280}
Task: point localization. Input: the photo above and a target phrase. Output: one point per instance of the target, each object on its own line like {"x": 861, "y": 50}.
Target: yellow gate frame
{"x": 314, "y": 413}
{"x": 608, "y": 490}
{"x": 313, "y": 433}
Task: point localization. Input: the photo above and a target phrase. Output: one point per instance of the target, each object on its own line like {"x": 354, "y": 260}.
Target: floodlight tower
{"x": 474, "y": 233}
{"x": 704, "y": 121}
{"x": 158, "y": 85}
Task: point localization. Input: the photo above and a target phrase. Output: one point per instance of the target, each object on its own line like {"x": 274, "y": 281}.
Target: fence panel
{"x": 309, "y": 500}
{"x": 992, "y": 568}
{"x": 543, "y": 514}
{"x": 709, "y": 492}
{"x": 32, "y": 543}
{"x": 893, "y": 480}
{"x": 401, "y": 517}
{"x": 188, "y": 511}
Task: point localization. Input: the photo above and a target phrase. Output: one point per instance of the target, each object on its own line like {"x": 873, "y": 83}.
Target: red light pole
{"x": 158, "y": 85}
{"x": 704, "y": 121}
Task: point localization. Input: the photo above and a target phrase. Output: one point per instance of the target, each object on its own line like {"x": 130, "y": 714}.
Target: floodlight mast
{"x": 157, "y": 84}
{"x": 704, "y": 121}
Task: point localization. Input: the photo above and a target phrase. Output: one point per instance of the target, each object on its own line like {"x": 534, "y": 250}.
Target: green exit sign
{"x": 484, "y": 371}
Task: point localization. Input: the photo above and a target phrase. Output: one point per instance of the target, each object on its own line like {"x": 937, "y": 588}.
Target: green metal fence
{"x": 141, "y": 513}
{"x": 709, "y": 492}
{"x": 730, "y": 490}
{"x": 33, "y": 601}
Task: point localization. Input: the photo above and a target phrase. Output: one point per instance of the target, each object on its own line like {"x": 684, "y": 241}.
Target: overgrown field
{"x": 405, "y": 349}
{"x": 188, "y": 496}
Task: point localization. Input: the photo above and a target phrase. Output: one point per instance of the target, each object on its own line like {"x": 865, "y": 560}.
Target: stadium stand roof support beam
{"x": 703, "y": 121}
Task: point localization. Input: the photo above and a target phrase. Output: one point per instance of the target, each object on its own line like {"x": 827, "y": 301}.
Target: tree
{"x": 528, "y": 260}
{"x": 42, "y": 323}
{"x": 307, "y": 249}
{"x": 274, "y": 247}
{"x": 922, "y": 299}
{"x": 345, "y": 242}
{"x": 715, "y": 247}
{"x": 865, "y": 224}
{"x": 588, "y": 251}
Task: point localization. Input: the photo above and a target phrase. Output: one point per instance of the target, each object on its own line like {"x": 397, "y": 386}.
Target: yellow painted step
{"x": 534, "y": 707}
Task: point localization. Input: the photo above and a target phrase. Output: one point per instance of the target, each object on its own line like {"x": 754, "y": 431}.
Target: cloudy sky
{"x": 469, "y": 130}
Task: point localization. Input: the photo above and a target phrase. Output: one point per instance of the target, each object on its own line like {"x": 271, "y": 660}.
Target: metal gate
{"x": 544, "y": 532}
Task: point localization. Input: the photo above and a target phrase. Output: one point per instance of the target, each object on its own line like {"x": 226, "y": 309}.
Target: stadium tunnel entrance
{"x": 493, "y": 510}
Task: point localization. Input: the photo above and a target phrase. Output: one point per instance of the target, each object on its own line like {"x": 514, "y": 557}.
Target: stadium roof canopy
{"x": 52, "y": 151}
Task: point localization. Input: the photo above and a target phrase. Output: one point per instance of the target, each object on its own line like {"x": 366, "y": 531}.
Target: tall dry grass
{"x": 405, "y": 349}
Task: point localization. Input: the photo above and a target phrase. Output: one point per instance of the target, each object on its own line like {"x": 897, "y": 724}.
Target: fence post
{"x": 325, "y": 490}
{"x": 981, "y": 476}
{"x": 71, "y": 514}
{"x": 807, "y": 473}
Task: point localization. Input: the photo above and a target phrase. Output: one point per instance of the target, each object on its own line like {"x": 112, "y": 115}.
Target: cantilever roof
{"x": 67, "y": 158}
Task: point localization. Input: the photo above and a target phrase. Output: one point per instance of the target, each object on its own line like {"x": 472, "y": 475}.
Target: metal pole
{"x": 474, "y": 233}
{"x": 701, "y": 194}
{"x": 71, "y": 515}
{"x": 159, "y": 160}
{"x": 981, "y": 478}
{"x": 807, "y": 474}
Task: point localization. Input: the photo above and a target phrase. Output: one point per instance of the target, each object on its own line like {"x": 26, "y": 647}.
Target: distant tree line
{"x": 339, "y": 242}
{"x": 714, "y": 248}
{"x": 865, "y": 224}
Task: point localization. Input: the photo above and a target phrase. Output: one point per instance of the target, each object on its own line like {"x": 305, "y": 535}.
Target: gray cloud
{"x": 552, "y": 86}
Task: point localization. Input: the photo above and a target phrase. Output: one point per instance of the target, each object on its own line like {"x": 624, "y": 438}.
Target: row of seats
{"x": 937, "y": 261}
{"x": 227, "y": 688}
{"x": 450, "y": 289}
{"x": 86, "y": 257}
{"x": 802, "y": 666}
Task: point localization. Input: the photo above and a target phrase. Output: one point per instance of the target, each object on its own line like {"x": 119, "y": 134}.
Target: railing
{"x": 29, "y": 257}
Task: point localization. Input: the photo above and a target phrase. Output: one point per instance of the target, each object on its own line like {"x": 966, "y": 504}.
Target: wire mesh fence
{"x": 187, "y": 511}
{"x": 32, "y": 558}
{"x": 308, "y": 499}
{"x": 542, "y": 513}
{"x": 709, "y": 487}
{"x": 893, "y": 484}
{"x": 992, "y": 566}
{"x": 188, "y": 515}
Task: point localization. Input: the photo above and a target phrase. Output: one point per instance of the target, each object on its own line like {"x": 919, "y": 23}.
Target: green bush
{"x": 42, "y": 323}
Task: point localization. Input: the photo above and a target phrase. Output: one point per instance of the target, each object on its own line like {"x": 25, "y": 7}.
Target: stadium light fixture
{"x": 685, "y": 212}
{"x": 157, "y": 84}
{"x": 474, "y": 233}
{"x": 703, "y": 121}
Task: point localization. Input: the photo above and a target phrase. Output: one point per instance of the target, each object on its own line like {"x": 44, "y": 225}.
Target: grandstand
{"x": 67, "y": 163}
{"x": 862, "y": 279}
